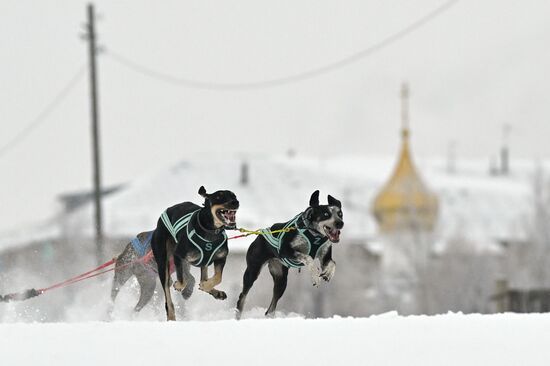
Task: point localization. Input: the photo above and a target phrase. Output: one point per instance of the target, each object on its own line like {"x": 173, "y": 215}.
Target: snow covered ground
{"x": 387, "y": 339}
{"x": 206, "y": 334}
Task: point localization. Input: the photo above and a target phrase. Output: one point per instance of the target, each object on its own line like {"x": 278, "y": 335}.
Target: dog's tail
{"x": 20, "y": 296}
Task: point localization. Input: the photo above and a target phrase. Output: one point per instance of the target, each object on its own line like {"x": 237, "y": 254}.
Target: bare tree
{"x": 527, "y": 264}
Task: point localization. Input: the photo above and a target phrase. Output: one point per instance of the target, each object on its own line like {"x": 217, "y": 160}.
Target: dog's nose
{"x": 339, "y": 224}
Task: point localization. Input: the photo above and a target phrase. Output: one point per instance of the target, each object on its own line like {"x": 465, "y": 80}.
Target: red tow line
{"x": 27, "y": 294}
{"x": 95, "y": 272}
{"x": 80, "y": 277}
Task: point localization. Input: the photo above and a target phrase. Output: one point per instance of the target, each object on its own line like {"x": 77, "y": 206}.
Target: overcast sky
{"x": 477, "y": 66}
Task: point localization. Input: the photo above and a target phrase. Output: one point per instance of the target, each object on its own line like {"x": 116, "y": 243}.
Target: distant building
{"x": 405, "y": 202}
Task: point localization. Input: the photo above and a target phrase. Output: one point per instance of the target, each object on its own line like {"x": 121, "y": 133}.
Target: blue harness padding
{"x": 207, "y": 248}
{"x": 142, "y": 246}
{"x": 314, "y": 242}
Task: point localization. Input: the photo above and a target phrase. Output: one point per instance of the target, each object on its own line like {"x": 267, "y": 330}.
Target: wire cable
{"x": 42, "y": 116}
{"x": 197, "y": 84}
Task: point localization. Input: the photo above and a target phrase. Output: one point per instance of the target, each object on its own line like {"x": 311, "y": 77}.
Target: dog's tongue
{"x": 334, "y": 234}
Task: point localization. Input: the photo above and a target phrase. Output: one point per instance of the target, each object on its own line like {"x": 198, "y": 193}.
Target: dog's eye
{"x": 340, "y": 214}
{"x": 326, "y": 214}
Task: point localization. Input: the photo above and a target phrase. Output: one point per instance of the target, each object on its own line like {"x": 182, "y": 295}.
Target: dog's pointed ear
{"x": 202, "y": 191}
{"x": 308, "y": 213}
{"x": 314, "y": 199}
{"x": 334, "y": 202}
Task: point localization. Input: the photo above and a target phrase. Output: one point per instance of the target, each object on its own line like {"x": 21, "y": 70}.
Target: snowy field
{"x": 387, "y": 339}
{"x": 206, "y": 334}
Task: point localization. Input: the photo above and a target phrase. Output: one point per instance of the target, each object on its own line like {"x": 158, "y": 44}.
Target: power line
{"x": 42, "y": 116}
{"x": 197, "y": 84}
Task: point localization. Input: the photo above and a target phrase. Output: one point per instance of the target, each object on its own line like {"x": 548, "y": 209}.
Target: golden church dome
{"x": 405, "y": 202}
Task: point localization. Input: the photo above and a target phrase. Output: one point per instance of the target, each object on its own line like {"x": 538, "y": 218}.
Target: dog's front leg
{"x": 204, "y": 274}
{"x": 309, "y": 263}
{"x": 328, "y": 266}
{"x": 208, "y": 284}
{"x": 328, "y": 270}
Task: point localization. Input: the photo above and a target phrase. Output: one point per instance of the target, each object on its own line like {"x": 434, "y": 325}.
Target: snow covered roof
{"x": 31, "y": 233}
{"x": 473, "y": 205}
{"x": 278, "y": 189}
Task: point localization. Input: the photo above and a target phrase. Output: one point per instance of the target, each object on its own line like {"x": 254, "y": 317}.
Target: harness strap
{"x": 276, "y": 242}
{"x": 176, "y": 228}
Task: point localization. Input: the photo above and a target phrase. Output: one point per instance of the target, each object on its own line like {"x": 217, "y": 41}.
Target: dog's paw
{"x": 313, "y": 271}
{"x": 217, "y": 294}
{"x": 328, "y": 271}
{"x": 315, "y": 277}
{"x": 188, "y": 290}
{"x": 207, "y": 285}
{"x": 180, "y": 286}
{"x": 204, "y": 287}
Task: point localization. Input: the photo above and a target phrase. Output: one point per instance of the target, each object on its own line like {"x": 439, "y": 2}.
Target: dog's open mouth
{"x": 332, "y": 234}
{"x": 228, "y": 217}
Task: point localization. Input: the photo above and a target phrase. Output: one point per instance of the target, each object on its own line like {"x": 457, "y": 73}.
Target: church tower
{"x": 405, "y": 202}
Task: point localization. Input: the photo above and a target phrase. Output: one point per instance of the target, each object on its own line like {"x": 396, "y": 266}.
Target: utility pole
{"x": 95, "y": 133}
{"x": 451, "y": 157}
{"x": 504, "y": 151}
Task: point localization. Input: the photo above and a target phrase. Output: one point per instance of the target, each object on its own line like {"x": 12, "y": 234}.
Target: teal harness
{"x": 207, "y": 248}
{"x": 275, "y": 240}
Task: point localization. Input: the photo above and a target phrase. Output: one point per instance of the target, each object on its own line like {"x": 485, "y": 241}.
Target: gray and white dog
{"x": 137, "y": 260}
{"x": 310, "y": 235}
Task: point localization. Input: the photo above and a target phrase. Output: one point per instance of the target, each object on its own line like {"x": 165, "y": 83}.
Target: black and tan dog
{"x": 307, "y": 236}
{"x": 194, "y": 235}
{"x": 136, "y": 259}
